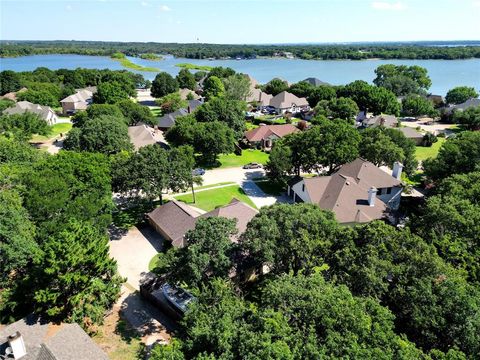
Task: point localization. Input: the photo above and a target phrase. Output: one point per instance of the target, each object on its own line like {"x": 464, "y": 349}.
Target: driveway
{"x": 234, "y": 174}
{"x": 133, "y": 251}
{"x": 244, "y": 178}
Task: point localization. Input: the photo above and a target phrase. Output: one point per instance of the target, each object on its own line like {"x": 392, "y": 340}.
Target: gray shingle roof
{"x": 168, "y": 120}
{"x": 315, "y": 82}
{"x": 47, "y": 341}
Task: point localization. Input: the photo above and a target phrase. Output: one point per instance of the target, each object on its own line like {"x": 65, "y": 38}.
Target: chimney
{"x": 372, "y": 195}
{"x": 397, "y": 170}
{"x": 17, "y": 345}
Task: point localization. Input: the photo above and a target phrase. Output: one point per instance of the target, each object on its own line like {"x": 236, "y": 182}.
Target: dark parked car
{"x": 198, "y": 172}
{"x": 252, "y": 165}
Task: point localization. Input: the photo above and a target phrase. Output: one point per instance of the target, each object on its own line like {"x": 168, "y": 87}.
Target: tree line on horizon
{"x": 217, "y": 51}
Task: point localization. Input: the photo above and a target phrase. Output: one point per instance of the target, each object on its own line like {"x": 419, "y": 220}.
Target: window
{"x": 389, "y": 190}
{"x": 303, "y": 187}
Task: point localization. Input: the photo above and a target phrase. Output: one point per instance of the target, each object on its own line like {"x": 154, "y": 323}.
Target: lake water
{"x": 445, "y": 74}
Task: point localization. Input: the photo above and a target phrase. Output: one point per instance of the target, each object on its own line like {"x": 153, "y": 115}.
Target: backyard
{"x": 248, "y": 156}
{"x": 210, "y": 199}
{"x": 55, "y": 130}
{"x": 422, "y": 152}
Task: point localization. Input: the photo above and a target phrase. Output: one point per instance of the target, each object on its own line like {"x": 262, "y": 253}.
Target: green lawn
{"x": 269, "y": 187}
{"x": 214, "y": 185}
{"x": 55, "y": 130}
{"x": 189, "y": 66}
{"x": 210, "y": 199}
{"x": 248, "y": 156}
{"x": 423, "y": 152}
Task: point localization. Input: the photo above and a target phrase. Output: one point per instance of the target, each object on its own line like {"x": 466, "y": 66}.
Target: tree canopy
{"x": 460, "y": 94}
{"x": 402, "y": 79}
{"x": 163, "y": 84}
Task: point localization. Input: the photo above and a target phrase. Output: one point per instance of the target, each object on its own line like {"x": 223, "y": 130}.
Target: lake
{"x": 445, "y": 74}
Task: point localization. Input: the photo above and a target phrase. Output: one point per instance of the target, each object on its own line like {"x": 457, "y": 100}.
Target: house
{"x": 13, "y": 95}
{"x": 185, "y": 92}
{"x": 265, "y": 135}
{"x": 412, "y": 134}
{"x": 436, "y": 100}
{"x": 473, "y": 102}
{"x": 358, "y": 192}
{"x": 367, "y": 121}
{"x": 173, "y": 219}
{"x": 78, "y": 101}
{"x": 315, "y": 82}
{"x": 32, "y": 339}
{"x": 45, "y": 112}
{"x": 260, "y": 98}
{"x": 168, "y": 120}
{"x": 143, "y": 135}
{"x": 287, "y": 102}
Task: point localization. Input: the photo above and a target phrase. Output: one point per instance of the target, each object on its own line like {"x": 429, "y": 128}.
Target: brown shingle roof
{"x": 175, "y": 219}
{"x": 237, "y": 210}
{"x": 346, "y": 191}
{"x": 264, "y": 131}
{"x": 141, "y": 136}
{"x": 367, "y": 173}
{"x": 286, "y": 100}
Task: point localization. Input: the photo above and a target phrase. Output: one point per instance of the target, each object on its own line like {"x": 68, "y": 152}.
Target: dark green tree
{"x": 136, "y": 113}
{"x": 237, "y": 87}
{"x": 415, "y": 105}
{"x": 231, "y": 112}
{"x": 104, "y": 134}
{"x": 456, "y": 156}
{"x": 208, "y": 252}
{"x": 460, "y": 94}
{"x": 186, "y": 80}
{"x": 23, "y": 126}
{"x": 76, "y": 279}
{"x": 319, "y": 93}
{"x": 213, "y": 87}
{"x": 110, "y": 93}
{"x": 403, "y": 80}
{"x": 469, "y": 118}
{"x": 163, "y": 84}
{"x": 41, "y": 97}
{"x": 275, "y": 86}
{"x": 9, "y": 81}
{"x": 289, "y": 238}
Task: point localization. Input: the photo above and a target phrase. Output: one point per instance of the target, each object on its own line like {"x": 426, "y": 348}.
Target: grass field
{"x": 55, "y": 130}
{"x": 122, "y": 59}
{"x": 423, "y": 152}
{"x": 248, "y": 156}
{"x": 189, "y": 66}
{"x": 269, "y": 187}
{"x": 210, "y": 199}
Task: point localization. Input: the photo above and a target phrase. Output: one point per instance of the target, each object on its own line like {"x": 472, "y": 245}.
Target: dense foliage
{"x": 420, "y": 50}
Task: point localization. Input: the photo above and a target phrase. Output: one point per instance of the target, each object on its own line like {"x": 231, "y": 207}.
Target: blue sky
{"x": 240, "y": 21}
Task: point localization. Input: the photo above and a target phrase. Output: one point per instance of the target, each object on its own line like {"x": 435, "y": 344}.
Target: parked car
{"x": 252, "y": 165}
{"x": 198, "y": 172}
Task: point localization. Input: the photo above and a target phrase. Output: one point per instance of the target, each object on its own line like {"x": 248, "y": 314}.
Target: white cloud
{"x": 144, "y": 3}
{"x": 382, "y": 5}
{"x": 164, "y": 8}
{"x": 68, "y": 7}
{"x": 476, "y": 4}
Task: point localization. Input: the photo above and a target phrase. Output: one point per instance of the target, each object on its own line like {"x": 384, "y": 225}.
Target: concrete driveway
{"x": 233, "y": 174}
{"x": 244, "y": 178}
{"x": 133, "y": 251}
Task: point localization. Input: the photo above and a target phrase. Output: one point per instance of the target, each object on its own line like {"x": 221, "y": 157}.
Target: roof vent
{"x": 17, "y": 345}
{"x": 347, "y": 182}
